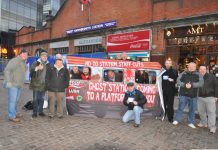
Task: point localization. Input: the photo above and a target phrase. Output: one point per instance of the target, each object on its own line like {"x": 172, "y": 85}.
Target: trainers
{"x": 213, "y": 130}
{"x": 15, "y": 120}
{"x": 42, "y": 114}
{"x": 136, "y": 125}
{"x": 50, "y": 117}
{"x": 34, "y": 115}
{"x": 60, "y": 117}
{"x": 192, "y": 126}
{"x": 19, "y": 115}
{"x": 201, "y": 125}
{"x": 175, "y": 122}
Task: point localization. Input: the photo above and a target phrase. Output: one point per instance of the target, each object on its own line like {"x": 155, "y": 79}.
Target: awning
{"x": 131, "y": 54}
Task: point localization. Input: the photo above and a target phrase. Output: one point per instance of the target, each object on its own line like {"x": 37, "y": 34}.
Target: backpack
{"x": 28, "y": 105}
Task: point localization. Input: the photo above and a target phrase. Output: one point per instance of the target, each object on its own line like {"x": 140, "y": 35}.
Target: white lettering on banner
{"x": 138, "y": 45}
{"x": 121, "y": 64}
{"x": 97, "y": 26}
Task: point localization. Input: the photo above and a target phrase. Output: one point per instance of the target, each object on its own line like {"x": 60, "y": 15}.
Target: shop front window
{"x": 90, "y": 48}
{"x": 63, "y": 50}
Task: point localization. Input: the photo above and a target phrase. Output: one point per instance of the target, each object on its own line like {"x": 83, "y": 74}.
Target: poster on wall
{"x": 131, "y": 41}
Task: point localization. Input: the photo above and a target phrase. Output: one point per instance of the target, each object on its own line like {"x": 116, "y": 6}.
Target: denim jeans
{"x": 192, "y": 104}
{"x": 38, "y": 101}
{"x": 13, "y": 97}
{"x": 133, "y": 115}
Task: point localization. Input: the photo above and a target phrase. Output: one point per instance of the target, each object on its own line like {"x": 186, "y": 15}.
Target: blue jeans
{"x": 192, "y": 104}
{"x": 38, "y": 101}
{"x": 13, "y": 97}
{"x": 133, "y": 115}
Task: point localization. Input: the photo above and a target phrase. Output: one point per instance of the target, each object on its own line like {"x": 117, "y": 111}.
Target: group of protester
{"x": 197, "y": 89}
{"x": 44, "y": 77}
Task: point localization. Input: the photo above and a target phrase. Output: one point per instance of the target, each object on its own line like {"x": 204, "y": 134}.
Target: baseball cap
{"x": 130, "y": 84}
{"x": 43, "y": 53}
{"x": 23, "y": 51}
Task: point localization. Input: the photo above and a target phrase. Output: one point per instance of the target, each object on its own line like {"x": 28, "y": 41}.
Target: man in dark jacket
{"x": 75, "y": 73}
{"x": 141, "y": 77}
{"x": 168, "y": 85}
{"x": 189, "y": 81}
{"x": 134, "y": 100}
{"x": 57, "y": 80}
{"x": 208, "y": 95}
{"x": 113, "y": 77}
{"x": 37, "y": 83}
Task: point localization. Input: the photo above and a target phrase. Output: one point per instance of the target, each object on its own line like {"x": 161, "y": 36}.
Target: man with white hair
{"x": 189, "y": 81}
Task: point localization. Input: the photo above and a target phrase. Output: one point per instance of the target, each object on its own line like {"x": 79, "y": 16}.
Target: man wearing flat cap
{"x": 37, "y": 83}
{"x": 134, "y": 100}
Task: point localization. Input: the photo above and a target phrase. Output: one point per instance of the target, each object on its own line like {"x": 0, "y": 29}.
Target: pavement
{"x": 81, "y": 133}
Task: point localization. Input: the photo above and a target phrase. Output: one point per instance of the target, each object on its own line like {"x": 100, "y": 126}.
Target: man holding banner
{"x": 134, "y": 100}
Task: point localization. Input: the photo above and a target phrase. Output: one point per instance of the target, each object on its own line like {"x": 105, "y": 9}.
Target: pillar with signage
{"x": 133, "y": 46}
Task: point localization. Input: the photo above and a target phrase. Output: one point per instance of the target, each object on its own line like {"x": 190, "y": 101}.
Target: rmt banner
{"x": 102, "y": 98}
{"x": 99, "y": 98}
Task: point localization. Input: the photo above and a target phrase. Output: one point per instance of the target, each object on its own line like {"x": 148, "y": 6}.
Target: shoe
{"x": 175, "y": 122}
{"x": 19, "y": 115}
{"x": 170, "y": 121}
{"x": 192, "y": 126}
{"x": 15, "y": 120}
{"x": 60, "y": 117}
{"x": 213, "y": 130}
{"x": 34, "y": 115}
{"x": 201, "y": 125}
{"x": 136, "y": 125}
{"x": 50, "y": 117}
{"x": 42, "y": 114}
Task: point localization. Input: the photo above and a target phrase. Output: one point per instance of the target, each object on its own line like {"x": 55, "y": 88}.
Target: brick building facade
{"x": 196, "y": 19}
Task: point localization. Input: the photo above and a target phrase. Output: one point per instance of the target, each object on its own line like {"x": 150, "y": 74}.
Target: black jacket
{"x": 167, "y": 86}
{"x": 194, "y": 78}
{"x": 210, "y": 87}
{"x": 57, "y": 81}
{"x": 75, "y": 75}
{"x": 141, "y": 79}
{"x": 117, "y": 76}
{"x": 138, "y": 97}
